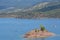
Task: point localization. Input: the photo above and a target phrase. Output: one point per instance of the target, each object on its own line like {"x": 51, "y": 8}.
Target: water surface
{"x": 14, "y": 29}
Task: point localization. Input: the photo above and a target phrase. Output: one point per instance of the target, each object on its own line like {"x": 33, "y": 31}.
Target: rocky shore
{"x": 38, "y": 33}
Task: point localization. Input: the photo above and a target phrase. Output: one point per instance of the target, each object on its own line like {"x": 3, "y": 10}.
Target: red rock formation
{"x": 38, "y": 34}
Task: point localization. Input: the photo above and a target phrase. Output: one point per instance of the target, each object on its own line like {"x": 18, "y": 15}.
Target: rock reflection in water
{"x": 35, "y": 39}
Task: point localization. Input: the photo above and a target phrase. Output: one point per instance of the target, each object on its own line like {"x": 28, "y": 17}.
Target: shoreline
{"x": 39, "y": 34}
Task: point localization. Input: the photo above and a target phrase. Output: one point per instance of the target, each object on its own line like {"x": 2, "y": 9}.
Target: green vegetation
{"x": 42, "y": 28}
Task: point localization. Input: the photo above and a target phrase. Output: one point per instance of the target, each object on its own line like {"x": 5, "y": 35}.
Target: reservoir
{"x": 14, "y": 29}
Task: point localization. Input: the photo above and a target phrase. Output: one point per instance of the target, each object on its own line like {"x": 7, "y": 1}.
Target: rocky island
{"x": 39, "y": 33}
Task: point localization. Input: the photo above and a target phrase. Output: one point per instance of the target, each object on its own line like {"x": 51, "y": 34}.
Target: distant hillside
{"x": 46, "y": 6}
{"x": 21, "y": 3}
{"x": 50, "y": 9}
{"x": 41, "y": 10}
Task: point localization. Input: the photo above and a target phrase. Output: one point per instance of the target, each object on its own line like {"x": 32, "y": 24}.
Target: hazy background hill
{"x": 30, "y": 8}
{"x": 21, "y": 3}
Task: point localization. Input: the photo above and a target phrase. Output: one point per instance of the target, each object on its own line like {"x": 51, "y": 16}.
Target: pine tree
{"x": 42, "y": 28}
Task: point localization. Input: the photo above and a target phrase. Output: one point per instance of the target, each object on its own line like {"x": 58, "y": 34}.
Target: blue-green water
{"x": 14, "y": 29}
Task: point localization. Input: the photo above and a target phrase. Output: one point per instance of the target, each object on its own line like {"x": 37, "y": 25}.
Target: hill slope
{"x": 41, "y": 10}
